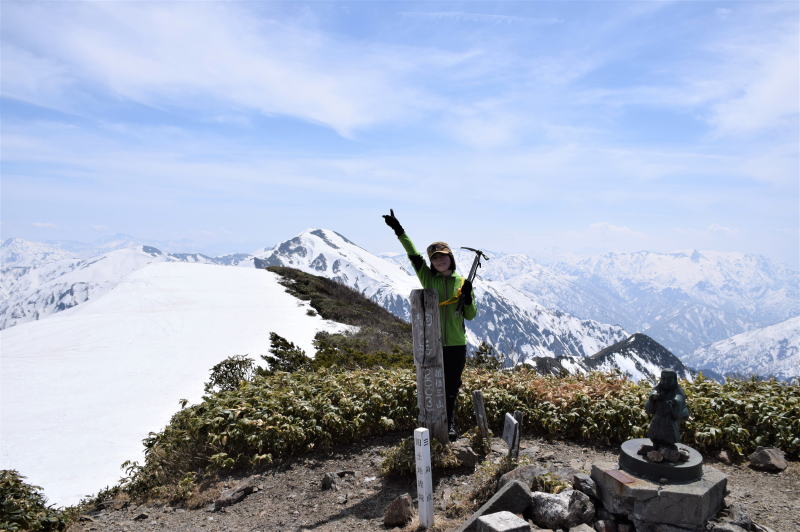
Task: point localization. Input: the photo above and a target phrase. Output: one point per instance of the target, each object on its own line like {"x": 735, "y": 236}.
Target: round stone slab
{"x": 635, "y": 464}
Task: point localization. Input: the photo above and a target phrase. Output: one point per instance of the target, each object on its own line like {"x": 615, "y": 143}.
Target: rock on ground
{"x": 768, "y": 459}
{"x": 567, "y": 509}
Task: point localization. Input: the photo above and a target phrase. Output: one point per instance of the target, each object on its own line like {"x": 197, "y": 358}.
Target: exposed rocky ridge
{"x": 291, "y": 497}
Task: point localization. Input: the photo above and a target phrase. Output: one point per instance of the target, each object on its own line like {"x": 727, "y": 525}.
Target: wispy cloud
{"x": 44, "y": 225}
{"x": 208, "y": 57}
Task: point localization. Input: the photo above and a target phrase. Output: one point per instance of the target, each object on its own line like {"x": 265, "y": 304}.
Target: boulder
{"x": 525, "y": 474}
{"x": 502, "y": 522}
{"x": 567, "y": 509}
{"x": 235, "y": 494}
{"x": 584, "y": 483}
{"x": 399, "y": 512}
{"x": 464, "y": 453}
{"x": 768, "y": 459}
{"x": 514, "y": 497}
{"x": 582, "y": 528}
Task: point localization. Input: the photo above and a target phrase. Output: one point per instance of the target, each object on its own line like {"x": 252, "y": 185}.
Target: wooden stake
{"x": 428, "y": 360}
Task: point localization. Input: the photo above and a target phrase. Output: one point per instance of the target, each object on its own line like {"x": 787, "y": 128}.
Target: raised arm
{"x": 420, "y": 268}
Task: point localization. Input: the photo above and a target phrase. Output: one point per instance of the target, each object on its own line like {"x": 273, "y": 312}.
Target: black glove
{"x": 466, "y": 292}
{"x": 392, "y": 222}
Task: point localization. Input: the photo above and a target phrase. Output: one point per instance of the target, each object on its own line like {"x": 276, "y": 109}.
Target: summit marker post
{"x": 422, "y": 456}
{"x": 428, "y": 360}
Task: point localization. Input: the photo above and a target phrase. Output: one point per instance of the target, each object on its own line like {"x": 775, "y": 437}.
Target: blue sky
{"x": 539, "y": 127}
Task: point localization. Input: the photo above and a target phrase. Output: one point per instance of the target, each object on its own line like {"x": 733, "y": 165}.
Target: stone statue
{"x": 667, "y": 405}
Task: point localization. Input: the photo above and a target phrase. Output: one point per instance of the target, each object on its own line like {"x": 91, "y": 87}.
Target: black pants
{"x": 454, "y": 357}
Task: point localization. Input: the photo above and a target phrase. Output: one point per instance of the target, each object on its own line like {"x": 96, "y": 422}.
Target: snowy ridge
{"x": 510, "y": 320}
{"x": 639, "y": 357}
{"x": 49, "y": 287}
{"x": 769, "y": 351}
{"x": 38, "y": 280}
{"x": 328, "y": 254}
{"x": 82, "y": 388}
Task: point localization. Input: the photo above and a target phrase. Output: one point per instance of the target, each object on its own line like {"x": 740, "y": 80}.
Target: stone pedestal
{"x": 632, "y": 462}
{"x": 653, "y": 507}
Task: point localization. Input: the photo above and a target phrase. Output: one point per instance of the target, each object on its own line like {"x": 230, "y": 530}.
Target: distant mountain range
{"x": 684, "y": 301}
{"x": 772, "y": 351}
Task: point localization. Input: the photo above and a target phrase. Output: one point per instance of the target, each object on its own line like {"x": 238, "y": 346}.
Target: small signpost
{"x": 480, "y": 413}
{"x": 511, "y": 435}
{"x": 422, "y": 455}
{"x": 428, "y": 360}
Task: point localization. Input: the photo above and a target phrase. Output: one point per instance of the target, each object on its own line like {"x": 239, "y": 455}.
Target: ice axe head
{"x": 480, "y": 254}
{"x": 475, "y": 263}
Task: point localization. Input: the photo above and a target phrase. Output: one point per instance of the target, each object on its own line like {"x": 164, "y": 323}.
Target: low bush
{"x": 23, "y": 506}
{"x": 274, "y": 417}
{"x": 228, "y": 374}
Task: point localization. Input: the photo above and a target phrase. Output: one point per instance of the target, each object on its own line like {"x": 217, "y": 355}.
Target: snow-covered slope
{"x": 32, "y": 292}
{"x": 37, "y": 280}
{"x": 769, "y": 351}
{"x": 639, "y": 357}
{"x": 81, "y": 389}
{"x": 512, "y": 322}
{"x": 328, "y": 254}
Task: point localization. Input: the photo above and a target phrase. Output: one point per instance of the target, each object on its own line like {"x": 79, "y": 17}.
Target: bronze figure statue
{"x": 667, "y": 405}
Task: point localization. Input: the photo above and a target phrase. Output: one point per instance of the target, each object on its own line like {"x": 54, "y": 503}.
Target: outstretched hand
{"x": 466, "y": 291}
{"x": 392, "y": 222}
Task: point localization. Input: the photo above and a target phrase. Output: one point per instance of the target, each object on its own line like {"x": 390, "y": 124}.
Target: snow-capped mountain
{"x": 683, "y": 300}
{"x": 639, "y": 357}
{"x": 82, "y": 388}
{"x": 769, "y": 351}
{"x": 512, "y": 322}
{"x": 37, "y": 280}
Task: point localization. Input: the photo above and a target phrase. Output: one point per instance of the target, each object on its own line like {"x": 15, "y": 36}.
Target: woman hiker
{"x": 441, "y": 276}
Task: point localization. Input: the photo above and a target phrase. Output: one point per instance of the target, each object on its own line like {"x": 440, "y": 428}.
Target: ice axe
{"x": 476, "y": 263}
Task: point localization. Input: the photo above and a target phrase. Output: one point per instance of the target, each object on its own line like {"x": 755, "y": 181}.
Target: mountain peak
{"x": 641, "y": 353}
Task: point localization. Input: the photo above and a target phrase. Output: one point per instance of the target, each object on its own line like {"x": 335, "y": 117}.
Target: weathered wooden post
{"x": 422, "y": 455}
{"x": 428, "y": 360}
{"x": 480, "y": 413}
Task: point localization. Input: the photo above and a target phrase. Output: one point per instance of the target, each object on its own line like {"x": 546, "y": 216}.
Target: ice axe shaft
{"x": 476, "y": 263}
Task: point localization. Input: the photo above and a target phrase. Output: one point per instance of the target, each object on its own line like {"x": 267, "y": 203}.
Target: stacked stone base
{"x": 654, "y": 507}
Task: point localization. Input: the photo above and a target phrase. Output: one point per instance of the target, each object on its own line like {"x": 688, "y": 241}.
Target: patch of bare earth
{"x": 291, "y": 498}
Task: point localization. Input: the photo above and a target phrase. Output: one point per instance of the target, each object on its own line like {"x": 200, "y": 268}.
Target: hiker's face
{"x": 441, "y": 262}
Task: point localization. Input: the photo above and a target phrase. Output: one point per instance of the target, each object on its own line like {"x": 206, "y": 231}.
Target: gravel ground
{"x": 291, "y": 498}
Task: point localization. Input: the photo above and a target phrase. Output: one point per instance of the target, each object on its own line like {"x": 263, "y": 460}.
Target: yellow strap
{"x": 455, "y": 298}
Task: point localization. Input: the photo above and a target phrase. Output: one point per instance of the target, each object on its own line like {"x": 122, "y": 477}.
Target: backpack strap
{"x": 455, "y": 298}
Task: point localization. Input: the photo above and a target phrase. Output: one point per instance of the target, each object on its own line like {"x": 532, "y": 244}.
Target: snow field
{"x": 81, "y": 389}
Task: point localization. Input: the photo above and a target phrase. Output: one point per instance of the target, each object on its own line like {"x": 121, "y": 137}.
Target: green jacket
{"x": 452, "y": 321}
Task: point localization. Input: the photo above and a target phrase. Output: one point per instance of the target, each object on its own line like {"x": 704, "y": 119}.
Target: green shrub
{"x": 228, "y": 374}
{"x": 274, "y": 417}
{"x": 484, "y": 357}
{"x": 352, "y": 352}
{"x": 23, "y": 506}
{"x": 284, "y": 356}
